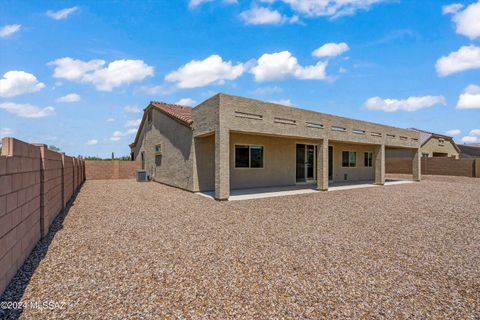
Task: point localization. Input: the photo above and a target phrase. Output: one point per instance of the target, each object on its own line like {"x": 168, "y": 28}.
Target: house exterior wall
{"x": 175, "y": 164}
{"x": 280, "y": 161}
{"x": 258, "y": 117}
{"x": 359, "y": 172}
{"x": 204, "y": 169}
{"x": 433, "y": 145}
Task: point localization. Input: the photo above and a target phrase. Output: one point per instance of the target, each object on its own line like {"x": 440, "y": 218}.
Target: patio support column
{"x": 379, "y": 158}
{"x": 222, "y": 164}
{"x": 417, "y": 165}
{"x": 322, "y": 165}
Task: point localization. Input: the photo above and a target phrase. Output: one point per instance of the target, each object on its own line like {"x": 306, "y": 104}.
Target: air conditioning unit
{"x": 142, "y": 176}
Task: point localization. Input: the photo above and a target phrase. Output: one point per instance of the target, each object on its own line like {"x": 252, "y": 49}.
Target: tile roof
{"x": 177, "y": 112}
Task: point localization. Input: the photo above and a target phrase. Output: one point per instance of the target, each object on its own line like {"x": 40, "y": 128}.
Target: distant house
{"x": 469, "y": 150}
{"x": 229, "y": 142}
{"x": 433, "y": 145}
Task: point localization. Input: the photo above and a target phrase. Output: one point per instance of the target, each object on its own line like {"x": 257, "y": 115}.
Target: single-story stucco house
{"x": 230, "y": 142}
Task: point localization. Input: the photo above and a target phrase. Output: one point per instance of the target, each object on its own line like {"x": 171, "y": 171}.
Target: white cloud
{"x": 91, "y": 142}
{"x": 27, "y": 110}
{"x": 475, "y": 132}
{"x": 409, "y": 104}
{"x": 199, "y": 73}
{"x": 133, "y": 123}
{"x": 281, "y": 65}
{"x": 467, "y": 21}
{"x": 470, "y": 98}
{"x": 6, "y": 132}
{"x": 110, "y": 120}
{"x": 260, "y": 15}
{"x": 117, "y": 135}
{"x": 71, "y": 97}
{"x": 470, "y": 139}
{"x": 195, "y": 3}
{"x": 467, "y": 57}
{"x": 267, "y": 91}
{"x": 186, "y": 102}
{"x": 9, "y": 29}
{"x": 330, "y": 8}
{"x": 115, "y": 74}
{"x": 452, "y": 8}
{"x": 453, "y": 132}
{"x": 331, "y": 50}
{"x": 285, "y": 102}
{"x": 15, "y": 83}
{"x": 132, "y": 109}
{"x": 61, "y": 14}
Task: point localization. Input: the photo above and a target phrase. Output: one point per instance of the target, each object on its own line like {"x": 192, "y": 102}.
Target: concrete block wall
{"x": 469, "y": 167}
{"x": 110, "y": 169}
{"x": 33, "y": 190}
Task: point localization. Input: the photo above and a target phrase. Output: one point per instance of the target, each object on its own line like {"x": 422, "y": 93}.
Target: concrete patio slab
{"x": 280, "y": 191}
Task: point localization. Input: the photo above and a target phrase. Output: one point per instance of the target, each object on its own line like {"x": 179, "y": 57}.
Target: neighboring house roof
{"x": 470, "y": 150}
{"x": 426, "y": 135}
{"x": 182, "y": 114}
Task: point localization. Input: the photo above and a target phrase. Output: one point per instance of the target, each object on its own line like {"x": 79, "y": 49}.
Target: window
{"x": 149, "y": 116}
{"x": 158, "y": 149}
{"x": 441, "y": 142}
{"x": 248, "y": 156}
{"x": 349, "y": 159}
{"x": 368, "y": 159}
{"x": 424, "y": 155}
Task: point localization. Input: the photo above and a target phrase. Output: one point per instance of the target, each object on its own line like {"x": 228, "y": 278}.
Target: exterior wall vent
{"x": 389, "y": 135}
{"x": 345, "y": 176}
{"x": 285, "y": 121}
{"x": 358, "y": 131}
{"x": 339, "y": 129}
{"x": 314, "y": 125}
{"x": 247, "y": 115}
{"x": 403, "y": 138}
{"x": 376, "y": 134}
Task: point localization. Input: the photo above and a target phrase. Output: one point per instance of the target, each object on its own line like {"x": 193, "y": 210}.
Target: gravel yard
{"x": 133, "y": 250}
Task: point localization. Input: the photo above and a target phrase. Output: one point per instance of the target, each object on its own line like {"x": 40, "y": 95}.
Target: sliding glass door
{"x": 306, "y": 164}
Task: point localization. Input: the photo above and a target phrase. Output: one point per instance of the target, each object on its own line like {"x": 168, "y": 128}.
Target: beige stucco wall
{"x": 433, "y": 145}
{"x": 280, "y": 161}
{"x": 360, "y": 172}
{"x": 176, "y": 165}
{"x": 204, "y": 169}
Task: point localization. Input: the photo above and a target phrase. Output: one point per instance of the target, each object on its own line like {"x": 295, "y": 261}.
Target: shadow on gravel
{"x": 16, "y": 288}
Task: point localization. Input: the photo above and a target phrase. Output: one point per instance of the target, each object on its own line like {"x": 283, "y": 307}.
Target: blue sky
{"x": 76, "y": 74}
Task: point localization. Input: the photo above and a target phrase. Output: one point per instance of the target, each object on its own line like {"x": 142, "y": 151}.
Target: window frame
{"x": 158, "y": 153}
{"x": 368, "y": 159}
{"x": 349, "y": 163}
{"x": 249, "y": 155}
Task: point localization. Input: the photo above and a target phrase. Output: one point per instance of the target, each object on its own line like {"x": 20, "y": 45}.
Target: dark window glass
{"x": 368, "y": 159}
{"x": 349, "y": 159}
{"x": 353, "y": 159}
{"x": 345, "y": 158}
{"x": 256, "y": 157}
{"x": 241, "y": 156}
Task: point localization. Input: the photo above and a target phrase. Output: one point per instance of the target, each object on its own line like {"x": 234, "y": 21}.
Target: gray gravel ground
{"x": 138, "y": 251}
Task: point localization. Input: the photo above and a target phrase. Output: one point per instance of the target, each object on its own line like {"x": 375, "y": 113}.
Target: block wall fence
{"x": 469, "y": 167}
{"x": 36, "y": 184}
{"x": 110, "y": 169}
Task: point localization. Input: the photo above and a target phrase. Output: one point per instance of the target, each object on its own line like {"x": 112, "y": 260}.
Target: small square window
{"x": 349, "y": 159}
{"x": 248, "y": 156}
{"x": 158, "y": 149}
